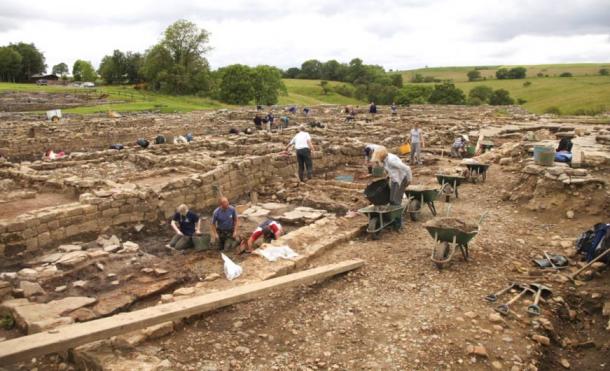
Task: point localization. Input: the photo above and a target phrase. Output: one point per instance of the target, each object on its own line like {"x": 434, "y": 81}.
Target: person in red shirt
{"x": 269, "y": 230}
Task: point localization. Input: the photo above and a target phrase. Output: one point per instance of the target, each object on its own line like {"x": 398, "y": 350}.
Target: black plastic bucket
{"x": 378, "y": 192}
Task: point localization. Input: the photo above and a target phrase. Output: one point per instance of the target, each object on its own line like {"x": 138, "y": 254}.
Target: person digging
{"x": 187, "y": 226}
{"x": 269, "y": 229}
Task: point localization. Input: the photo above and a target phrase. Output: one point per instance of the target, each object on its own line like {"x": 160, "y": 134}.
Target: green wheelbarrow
{"x": 381, "y": 217}
{"x": 449, "y": 185}
{"x": 418, "y": 196}
{"x": 448, "y": 239}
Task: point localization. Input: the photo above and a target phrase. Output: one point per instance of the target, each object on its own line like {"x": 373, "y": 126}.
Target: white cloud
{"x": 396, "y": 34}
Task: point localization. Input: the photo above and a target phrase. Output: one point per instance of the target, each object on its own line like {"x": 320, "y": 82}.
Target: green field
{"x": 127, "y": 99}
{"x": 458, "y": 74}
{"x": 308, "y": 92}
{"x": 585, "y": 91}
{"x": 569, "y": 94}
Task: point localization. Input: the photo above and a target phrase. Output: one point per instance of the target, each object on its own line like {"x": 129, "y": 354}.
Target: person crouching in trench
{"x": 187, "y": 225}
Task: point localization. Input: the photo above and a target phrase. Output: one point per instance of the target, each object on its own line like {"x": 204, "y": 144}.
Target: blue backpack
{"x": 594, "y": 241}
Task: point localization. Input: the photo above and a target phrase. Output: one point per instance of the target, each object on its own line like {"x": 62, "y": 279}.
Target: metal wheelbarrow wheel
{"x": 414, "y": 209}
{"x": 440, "y": 253}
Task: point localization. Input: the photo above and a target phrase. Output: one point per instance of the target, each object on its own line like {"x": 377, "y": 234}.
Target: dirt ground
{"x": 398, "y": 312}
{"x": 401, "y": 312}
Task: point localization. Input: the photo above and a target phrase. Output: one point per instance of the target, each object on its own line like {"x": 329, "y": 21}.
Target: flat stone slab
{"x": 31, "y": 316}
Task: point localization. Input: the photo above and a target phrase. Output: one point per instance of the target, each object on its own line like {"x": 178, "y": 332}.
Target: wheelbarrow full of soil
{"x": 421, "y": 195}
{"x": 449, "y": 185}
{"x": 449, "y": 234}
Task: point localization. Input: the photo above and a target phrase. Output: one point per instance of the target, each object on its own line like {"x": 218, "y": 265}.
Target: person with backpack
{"x": 269, "y": 229}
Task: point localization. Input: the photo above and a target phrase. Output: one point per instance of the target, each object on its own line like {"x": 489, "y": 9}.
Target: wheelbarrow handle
{"x": 483, "y": 217}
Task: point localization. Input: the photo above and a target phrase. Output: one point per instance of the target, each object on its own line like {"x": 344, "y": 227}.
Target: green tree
{"x": 502, "y": 73}
{"x": 292, "y": 73}
{"x": 447, "y": 93}
{"x": 414, "y": 94}
{"x": 396, "y": 80}
{"x": 10, "y": 64}
{"x": 83, "y": 71}
{"x": 113, "y": 68}
{"x": 311, "y": 69}
{"x": 474, "y": 75}
{"x": 236, "y": 85}
{"x": 61, "y": 69}
{"x": 604, "y": 72}
{"x": 481, "y": 92}
{"x": 355, "y": 69}
{"x": 132, "y": 69}
{"x": 501, "y": 97}
{"x": 266, "y": 84}
{"x": 333, "y": 71}
{"x": 32, "y": 61}
{"x": 177, "y": 64}
{"x": 517, "y": 73}
{"x": 325, "y": 87}
{"x": 566, "y": 74}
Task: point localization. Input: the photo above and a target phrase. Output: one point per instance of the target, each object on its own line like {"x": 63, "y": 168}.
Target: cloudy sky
{"x": 398, "y": 34}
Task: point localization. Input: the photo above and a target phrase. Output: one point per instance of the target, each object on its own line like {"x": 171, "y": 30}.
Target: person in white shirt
{"x": 417, "y": 142}
{"x": 302, "y": 144}
{"x": 400, "y": 176}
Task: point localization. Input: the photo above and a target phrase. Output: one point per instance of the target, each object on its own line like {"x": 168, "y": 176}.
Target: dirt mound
{"x": 452, "y": 223}
{"x": 422, "y": 187}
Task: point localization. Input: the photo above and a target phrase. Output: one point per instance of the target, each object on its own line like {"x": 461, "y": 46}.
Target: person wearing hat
{"x": 304, "y": 147}
{"x": 458, "y": 148}
{"x": 269, "y": 229}
{"x": 369, "y": 149}
{"x": 400, "y": 176}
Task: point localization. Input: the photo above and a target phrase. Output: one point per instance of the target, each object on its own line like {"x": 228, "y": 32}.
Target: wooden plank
{"x": 67, "y": 337}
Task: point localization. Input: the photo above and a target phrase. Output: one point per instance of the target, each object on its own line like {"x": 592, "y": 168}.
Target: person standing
{"x": 270, "y": 118}
{"x": 304, "y": 148}
{"x": 394, "y": 108}
{"x": 186, "y": 224}
{"x": 225, "y": 224}
{"x": 416, "y": 139}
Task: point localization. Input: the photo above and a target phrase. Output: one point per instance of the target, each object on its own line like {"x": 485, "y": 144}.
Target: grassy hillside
{"x": 569, "y": 94}
{"x": 586, "y": 90}
{"x": 127, "y": 99}
{"x": 458, "y": 74}
{"x": 309, "y": 92}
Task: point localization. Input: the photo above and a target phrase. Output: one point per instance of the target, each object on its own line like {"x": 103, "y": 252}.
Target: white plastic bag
{"x": 232, "y": 270}
{"x": 273, "y": 253}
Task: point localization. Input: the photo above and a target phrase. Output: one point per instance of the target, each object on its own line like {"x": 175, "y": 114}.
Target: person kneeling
{"x": 186, "y": 224}
{"x": 270, "y": 230}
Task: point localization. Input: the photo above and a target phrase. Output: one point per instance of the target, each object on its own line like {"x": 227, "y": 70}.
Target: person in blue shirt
{"x": 187, "y": 225}
{"x": 225, "y": 225}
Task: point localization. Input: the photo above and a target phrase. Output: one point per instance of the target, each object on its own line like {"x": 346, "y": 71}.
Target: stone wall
{"x": 98, "y": 210}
